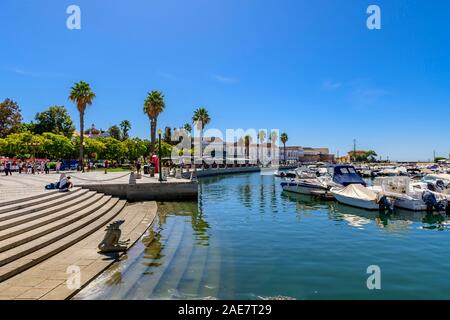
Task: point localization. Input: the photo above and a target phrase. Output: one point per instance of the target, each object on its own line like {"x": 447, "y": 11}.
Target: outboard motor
{"x": 429, "y": 199}
{"x": 440, "y": 185}
{"x": 432, "y": 203}
{"x": 385, "y": 204}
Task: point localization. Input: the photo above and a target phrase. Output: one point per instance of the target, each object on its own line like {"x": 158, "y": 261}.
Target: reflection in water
{"x": 245, "y": 239}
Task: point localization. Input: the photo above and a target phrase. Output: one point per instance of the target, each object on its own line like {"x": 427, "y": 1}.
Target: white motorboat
{"x": 357, "y": 195}
{"x": 408, "y": 195}
{"x": 307, "y": 186}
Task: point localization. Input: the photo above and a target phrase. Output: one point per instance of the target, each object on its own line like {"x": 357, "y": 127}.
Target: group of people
{"x": 25, "y": 167}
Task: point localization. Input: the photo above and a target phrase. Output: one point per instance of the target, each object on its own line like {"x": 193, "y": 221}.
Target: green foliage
{"x": 10, "y": 117}
{"x": 24, "y": 145}
{"x": 187, "y": 127}
{"x": 284, "y": 138}
{"x": 57, "y": 146}
{"x": 56, "y": 120}
{"x": 3, "y": 147}
{"x": 114, "y": 149}
{"x": 166, "y": 149}
{"x": 125, "y": 126}
{"x": 153, "y": 105}
{"x": 114, "y": 132}
{"x": 136, "y": 148}
{"x": 93, "y": 148}
{"x": 201, "y": 117}
{"x": 25, "y": 127}
{"x": 82, "y": 95}
{"x": 368, "y": 156}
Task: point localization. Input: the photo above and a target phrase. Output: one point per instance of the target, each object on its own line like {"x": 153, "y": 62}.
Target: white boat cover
{"x": 356, "y": 191}
{"x": 442, "y": 176}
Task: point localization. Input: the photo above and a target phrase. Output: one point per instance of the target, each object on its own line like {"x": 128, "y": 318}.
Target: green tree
{"x": 93, "y": 147}
{"x": 57, "y": 146}
{"x": 166, "y": 149}
{"x": 247, "y": 142}
{"x": 153, "y": 106}
{"x": 10, "y": 117}
{"x": 56, "y": 120}
{"x": 371, "y": 156}
{"x": 114, "y": 149}
{"x": 136, "y": 148}
{"x": 3, "y": 147}
{"x": 284, "y": 138}
{"x": 201, "y": 118}
{"x": 125, "y": 126}
{"x": 82, "y": 95}
{"x": 261, "y": 138}
{"x": 114, "y": 132}
{"x": 26, "y": 127}
{"x": 24, "y": 145}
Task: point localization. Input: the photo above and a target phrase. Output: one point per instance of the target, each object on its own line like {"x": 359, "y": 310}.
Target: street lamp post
{"x": 159, "y": 155}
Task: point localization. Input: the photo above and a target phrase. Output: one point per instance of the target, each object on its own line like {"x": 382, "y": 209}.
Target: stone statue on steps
{"x": 111, "y": 242}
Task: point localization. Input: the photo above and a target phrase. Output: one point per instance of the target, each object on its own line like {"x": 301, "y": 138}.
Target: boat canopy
{"x": 346, "y": 175}
{"x": 356, "y": 191}
{"x": 442, "y": 176}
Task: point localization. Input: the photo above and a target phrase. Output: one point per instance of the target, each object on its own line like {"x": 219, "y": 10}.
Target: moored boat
{"x": 357, "y": 195}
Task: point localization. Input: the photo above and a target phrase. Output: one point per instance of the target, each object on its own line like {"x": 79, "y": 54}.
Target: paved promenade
{"x": 25, "y": 185}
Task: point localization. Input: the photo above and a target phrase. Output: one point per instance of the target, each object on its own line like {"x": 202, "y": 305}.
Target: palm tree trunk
{"x": 152, "y": 135}
{"x": 284, "y": 147}
{"x": 257, "y": 152}
{"x": 81, "y": 140}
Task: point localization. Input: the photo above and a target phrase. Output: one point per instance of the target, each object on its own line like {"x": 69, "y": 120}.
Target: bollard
{"x": 132, "y": 178}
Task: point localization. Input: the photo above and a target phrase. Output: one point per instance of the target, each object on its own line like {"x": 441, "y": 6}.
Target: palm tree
{"x": 261, "y": 138}
{"x": 247, "y": 141}
{"x": 82, "y": 95}
{"x": 284, "y": 138}
{"x": 187, "y": 127}
{"x": 201, "y": 119}
{"x": 153, "y": 106}
{"x": 125, "y": 126}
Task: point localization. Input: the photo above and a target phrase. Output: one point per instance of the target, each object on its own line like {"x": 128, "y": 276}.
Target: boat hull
{"x": 358, "y": 203}
{"x": 303, "y": 188}
{"x": 410, "y": 204}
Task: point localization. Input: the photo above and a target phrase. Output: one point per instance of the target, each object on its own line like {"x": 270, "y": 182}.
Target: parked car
{"x": 69, "y": 165}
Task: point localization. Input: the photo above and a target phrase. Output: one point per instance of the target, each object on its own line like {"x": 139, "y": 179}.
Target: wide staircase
{"x": 39, "y": 227}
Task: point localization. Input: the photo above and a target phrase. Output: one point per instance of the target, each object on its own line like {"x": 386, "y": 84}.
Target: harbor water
{"x": 247, "y": 239}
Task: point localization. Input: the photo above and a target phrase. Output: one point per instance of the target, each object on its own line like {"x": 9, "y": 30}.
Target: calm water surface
{"x": 247, "y": 239}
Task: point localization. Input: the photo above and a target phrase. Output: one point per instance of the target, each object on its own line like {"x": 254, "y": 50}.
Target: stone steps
{"x": 26, "y": 248}
{"x": 37, "y": 228}
{"x": 61, "y": 209}
{"x": 19, "y": 225}
{"x": 37, "y": 197}
{"x": 68, "y": 231}
{"x": 59, "y": 203}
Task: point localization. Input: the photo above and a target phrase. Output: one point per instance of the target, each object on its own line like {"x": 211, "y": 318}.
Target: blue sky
{"x": 309, "y": 68}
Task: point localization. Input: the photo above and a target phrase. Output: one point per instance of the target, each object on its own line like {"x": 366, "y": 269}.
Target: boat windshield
{"x": 347, "y": 170}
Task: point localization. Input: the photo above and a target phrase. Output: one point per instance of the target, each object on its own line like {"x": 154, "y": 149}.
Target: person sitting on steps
{"x": 64, "y": 183}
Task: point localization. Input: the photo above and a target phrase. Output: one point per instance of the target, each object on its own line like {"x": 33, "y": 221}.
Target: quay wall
{"x": 211, "y": 172}
{"x": 164, "y": 191}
